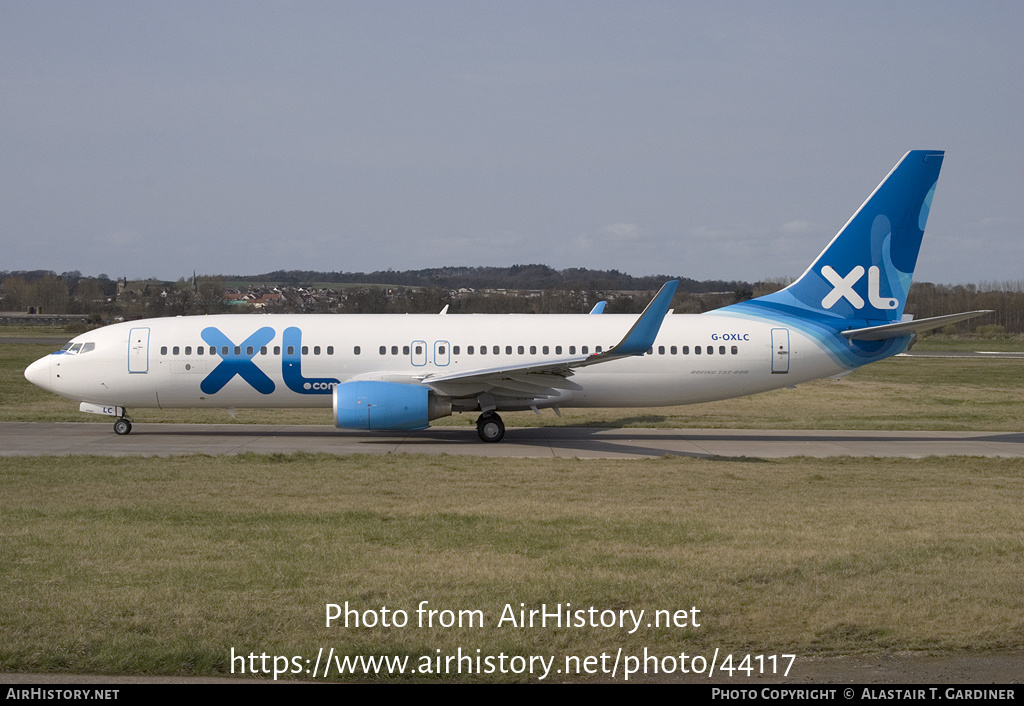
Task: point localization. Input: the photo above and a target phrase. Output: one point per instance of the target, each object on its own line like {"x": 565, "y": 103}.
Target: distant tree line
{"x": 522, "y": 277}
{"x": 520, "y": 289}
{"x": 1006, "y": 299}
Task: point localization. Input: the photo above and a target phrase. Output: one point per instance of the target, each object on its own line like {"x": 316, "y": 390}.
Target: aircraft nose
{"x": 39, "y": 373}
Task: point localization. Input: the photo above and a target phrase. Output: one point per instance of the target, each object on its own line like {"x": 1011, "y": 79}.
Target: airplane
{"x": 400, "y": 372}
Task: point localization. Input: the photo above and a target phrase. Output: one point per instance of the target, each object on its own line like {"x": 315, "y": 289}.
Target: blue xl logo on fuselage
{"x": 291, "y": 367}
{"x": 238, "y": 360}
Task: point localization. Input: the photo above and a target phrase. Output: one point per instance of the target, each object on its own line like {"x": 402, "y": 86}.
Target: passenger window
{"x": 163, "y": 350}
{"x": 249, "y": 350}
{"x": 711, "y": 350}
{"x": 238, "y": 350}
{"x": 546, "y": 350}
{"x": 455, "y": 350}
{"x": 520, "y": 350}
{"x": 721, "y": 350}
{"x": 277, "y": 350}
{"x": 263, "y": 350}
{"x": 558, "y": 350}
{"x": 394, "y": 350}
{"x": 440, "y": 350}
{"x": 291, "y": 350}
{"x": 330, "y": 350}
{"x": 508, "y": 350}
{"x": 496, "y": 350}
{"x": 673, "y": 350}
{"x": 696, "y": 350}
{"x": 661, "y": 350}
{"x": 533, "y": 350}
{"x": 572, "y": 350}
{"x": 305, "y": 350}
{"x": 383, "y": 350}
{"x": 686, "y": 350}
{"x": 419, "y": 350}
{"x": 316, "y": 350}
{"x": 584, "y": 350}
{"x": 469, "y": 350}
{"x": 356, "y": 350}
{"x": 483, "y": 350}
{"x": 735, "y": 350}
{"x": 405, "y": 350}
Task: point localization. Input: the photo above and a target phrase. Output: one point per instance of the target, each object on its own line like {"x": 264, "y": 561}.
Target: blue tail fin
{"x": 865, "y": 271}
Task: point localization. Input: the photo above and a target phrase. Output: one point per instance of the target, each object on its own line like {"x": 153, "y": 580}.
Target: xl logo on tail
{"x": 842, "y": 288}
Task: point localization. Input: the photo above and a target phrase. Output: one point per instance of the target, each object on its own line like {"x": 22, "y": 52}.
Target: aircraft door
{"x": 442, "y": 353}
{"x": 780, "y": 350}
{"x": 138, "y": 350}
{"x": 419, "y": 353}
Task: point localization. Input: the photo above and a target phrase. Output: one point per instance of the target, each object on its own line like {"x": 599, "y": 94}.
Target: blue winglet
{"x": 641, "y": 336}
{"x": 599, "y": 307}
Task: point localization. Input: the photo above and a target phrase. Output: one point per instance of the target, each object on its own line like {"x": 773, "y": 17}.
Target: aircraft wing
{"x": 546, "y": 378}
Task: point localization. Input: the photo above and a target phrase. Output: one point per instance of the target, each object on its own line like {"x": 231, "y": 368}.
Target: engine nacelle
{"x": 373, "y": 405}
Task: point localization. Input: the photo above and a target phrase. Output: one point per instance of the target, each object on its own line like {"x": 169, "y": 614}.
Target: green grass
{"x": 161, "y": 566}
{"x": 970, "y": 342}
{"x": 26, "y": 331}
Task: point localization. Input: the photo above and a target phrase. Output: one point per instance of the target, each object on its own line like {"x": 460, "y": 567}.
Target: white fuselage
{"x": 163, "y": 363}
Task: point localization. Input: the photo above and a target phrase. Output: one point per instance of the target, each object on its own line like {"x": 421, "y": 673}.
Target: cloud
{"x": 795, "y": 227}
{"x": 122, "y": 238}
{"x": 727, "y": 232}
{"x": 620, "y": 231}
{"x": 609, "y": 236}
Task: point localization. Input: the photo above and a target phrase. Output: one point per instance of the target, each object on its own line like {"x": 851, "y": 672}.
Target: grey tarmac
{"x": 42, "y": 439}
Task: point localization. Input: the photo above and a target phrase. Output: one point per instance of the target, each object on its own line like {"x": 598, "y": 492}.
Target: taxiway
{"x": 41, "y": 439}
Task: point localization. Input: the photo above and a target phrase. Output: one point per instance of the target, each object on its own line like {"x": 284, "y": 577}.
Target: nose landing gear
{"x": 123, "y": 426}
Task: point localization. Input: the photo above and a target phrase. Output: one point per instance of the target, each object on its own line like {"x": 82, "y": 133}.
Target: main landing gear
{"x": 123, "y": 426}
{"x": 490, "y": 428}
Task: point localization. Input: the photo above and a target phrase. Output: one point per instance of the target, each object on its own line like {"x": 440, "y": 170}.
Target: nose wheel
{"x": 122, "y": 427}
{"x": 490, "y": 428}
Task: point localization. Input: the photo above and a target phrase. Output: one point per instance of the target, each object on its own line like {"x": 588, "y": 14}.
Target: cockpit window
{"x": 72, "y": 348}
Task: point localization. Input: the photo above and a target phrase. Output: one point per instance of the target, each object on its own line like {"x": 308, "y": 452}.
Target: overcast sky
{"x": 709, "y": 140}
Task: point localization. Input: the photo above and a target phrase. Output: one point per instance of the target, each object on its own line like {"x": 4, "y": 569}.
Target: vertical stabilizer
{"x": 865, "y": 272}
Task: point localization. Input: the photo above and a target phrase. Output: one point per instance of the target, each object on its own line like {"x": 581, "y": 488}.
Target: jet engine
{"x": 373, "y": 405}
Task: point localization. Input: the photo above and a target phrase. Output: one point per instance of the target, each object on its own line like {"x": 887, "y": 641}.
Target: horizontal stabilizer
{"x": 880, "y": 333}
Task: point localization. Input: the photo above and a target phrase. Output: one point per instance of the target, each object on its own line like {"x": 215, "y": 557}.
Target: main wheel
{"x": 122, "y": 427}
{"x": 490, "y": 428}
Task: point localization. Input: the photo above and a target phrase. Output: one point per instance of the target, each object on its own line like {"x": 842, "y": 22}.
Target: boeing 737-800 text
{"x": 382, "y": 372}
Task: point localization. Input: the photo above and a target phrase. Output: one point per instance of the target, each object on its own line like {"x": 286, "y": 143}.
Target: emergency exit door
{"x": 780, "y": 350}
